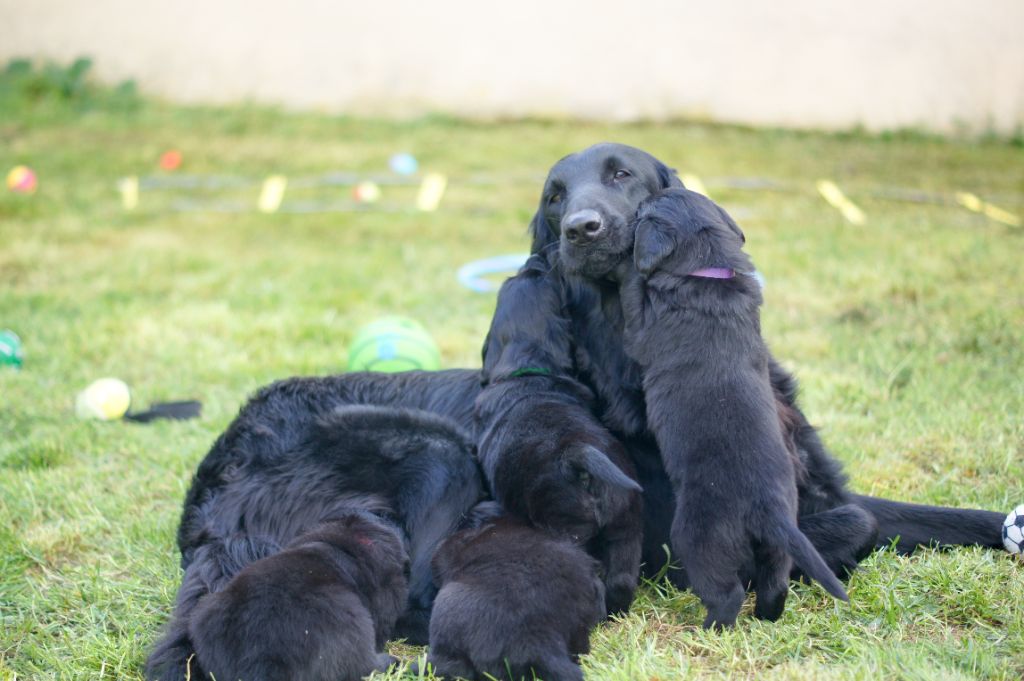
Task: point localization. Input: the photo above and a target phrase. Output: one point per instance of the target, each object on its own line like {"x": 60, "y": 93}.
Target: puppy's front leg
{"x": 619, "y": 550}
{"x": 632, "y": 295}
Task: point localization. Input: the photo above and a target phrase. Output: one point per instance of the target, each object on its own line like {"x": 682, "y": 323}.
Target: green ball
{"x": 10, "y": 349}
{"x": 393, "y": 344}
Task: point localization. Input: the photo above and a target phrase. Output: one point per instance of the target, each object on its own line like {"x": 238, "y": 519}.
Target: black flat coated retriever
{"x": 514, "y": 604}
{"x": 692, "y": 322}
{"x": 320, "y": 610}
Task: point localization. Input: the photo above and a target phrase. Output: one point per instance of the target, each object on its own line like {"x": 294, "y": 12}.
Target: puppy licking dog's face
{"x": 692, "y": 323}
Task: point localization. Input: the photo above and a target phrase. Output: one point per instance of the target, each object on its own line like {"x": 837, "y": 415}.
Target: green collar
{"x": 530, "y": 371}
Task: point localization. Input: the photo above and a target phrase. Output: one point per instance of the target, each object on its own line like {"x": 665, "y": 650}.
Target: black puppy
{"x": 514, "y": 603}
{"x": 692, "y": 322}
{"x": 277, "y": 473}
{"x": 320, "y": 610}
{"x": 579, "y": 484}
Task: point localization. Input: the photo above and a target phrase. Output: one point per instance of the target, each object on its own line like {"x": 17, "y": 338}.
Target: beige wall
{"x": 931, "y": 63}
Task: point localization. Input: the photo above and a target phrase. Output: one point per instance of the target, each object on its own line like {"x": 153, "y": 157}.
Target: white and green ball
{"x": 393, "y": 344}
{"x": 1013, "y": 531}
{"x": 10, "y": 349}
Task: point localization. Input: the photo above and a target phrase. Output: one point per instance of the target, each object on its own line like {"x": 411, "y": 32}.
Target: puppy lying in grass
{"x": 692, "y": 322}
{"x": 579, "y": 485}
{"x": 514, "y": 603}
{"x": 320, "y": 610}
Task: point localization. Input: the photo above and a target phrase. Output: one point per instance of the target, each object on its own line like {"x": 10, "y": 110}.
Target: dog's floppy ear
{"x": 653, "y": 242}
{"x": 588, "y": 460}
{"x": 540, "y": 232}
{"x": 667, "y": 176}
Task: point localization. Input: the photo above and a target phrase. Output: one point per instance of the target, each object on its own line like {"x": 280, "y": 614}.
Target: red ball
{"x": 170, "y": 160}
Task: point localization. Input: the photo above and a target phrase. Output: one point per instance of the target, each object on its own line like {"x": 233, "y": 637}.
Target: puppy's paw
{"x": 618, "y": 595}
{"x": 385, "y": 662}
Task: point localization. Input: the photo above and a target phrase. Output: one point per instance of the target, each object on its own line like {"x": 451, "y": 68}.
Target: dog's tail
{"x": 913, "y": 525}
{"x": 787, "y": 535}
{"x": 213, "y": 565}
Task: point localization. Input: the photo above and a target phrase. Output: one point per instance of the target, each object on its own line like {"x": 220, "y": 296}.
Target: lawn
{"x": 907, "y": 333}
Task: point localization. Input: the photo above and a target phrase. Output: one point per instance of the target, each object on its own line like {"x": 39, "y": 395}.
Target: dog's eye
{"x": 583, "y": 476}
{"x": 622, "y": 173}
{"x": 555, "y": 198}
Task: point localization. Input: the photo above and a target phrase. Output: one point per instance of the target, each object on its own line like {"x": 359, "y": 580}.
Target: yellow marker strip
{"x": 272, "y": 193}
{"x": 129, "y": 188}
{"x": 431, "y": 192}
{"x": 972, "y": 202}
{"x": 693, "y": 183}
{"x": 831, "y": 193}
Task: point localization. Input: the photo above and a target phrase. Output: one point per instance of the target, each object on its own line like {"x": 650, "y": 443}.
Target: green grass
{"x": 907, "y": 333}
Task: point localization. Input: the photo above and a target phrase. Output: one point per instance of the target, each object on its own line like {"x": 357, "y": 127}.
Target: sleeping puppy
{"x": 320, "y": 610}
{"x": 578, "y": 485}
{"x": 692, "y": 322}
{"x": 514, "y": 603}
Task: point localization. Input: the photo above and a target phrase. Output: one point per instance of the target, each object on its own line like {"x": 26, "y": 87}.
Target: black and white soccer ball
{"x": 1013, "y": 531}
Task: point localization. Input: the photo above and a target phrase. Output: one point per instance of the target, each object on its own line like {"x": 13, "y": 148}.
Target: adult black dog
{"x": 514, "y": 603}
{"x": 692, "y": 322}
{"x": 588, "y": 202}
{"x": 320, "y": 610}
{"x": 297, "y": 456}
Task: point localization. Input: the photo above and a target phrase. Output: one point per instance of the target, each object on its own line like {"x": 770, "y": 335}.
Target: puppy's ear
{"x": 481, "y": 514}
{"x": 731, "y": 224}
{"x": 667, "y": 176}
{"x": 590, "y": 461}
{"x": 653, "y": 242}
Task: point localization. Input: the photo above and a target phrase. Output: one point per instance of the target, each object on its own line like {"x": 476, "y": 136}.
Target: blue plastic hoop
{"x": 471, "y": 274}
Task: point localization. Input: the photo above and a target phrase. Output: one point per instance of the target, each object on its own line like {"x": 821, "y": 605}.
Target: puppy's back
{"x": 317, "y": 611}
{"x": 513, "y": 598}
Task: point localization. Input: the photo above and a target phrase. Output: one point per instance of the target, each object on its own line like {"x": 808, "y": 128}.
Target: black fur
{"x": 293, "y": 458}
{"x": 711, "y": 407}
{"x": 514, "y": 603}
{"x": 843, "y": 526}
{"x": 320, "y": 610}
{"x": 579, "y": 484}
{"x": 218, "y": 537}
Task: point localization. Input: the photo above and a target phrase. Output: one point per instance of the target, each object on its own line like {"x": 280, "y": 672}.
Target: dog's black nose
{"x": 582, "y": 226}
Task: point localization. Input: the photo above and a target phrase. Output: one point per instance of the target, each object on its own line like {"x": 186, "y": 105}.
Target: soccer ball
{"x": 1013, "y": 531}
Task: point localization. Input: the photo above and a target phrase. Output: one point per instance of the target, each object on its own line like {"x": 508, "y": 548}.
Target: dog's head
{"x": 577, "y": 490}
{"x": 589, "y": 201}
{"x": 681, "y": 231}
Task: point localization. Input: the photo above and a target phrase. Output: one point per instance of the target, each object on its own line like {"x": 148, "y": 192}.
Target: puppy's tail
{"x": 807, "y": 558}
